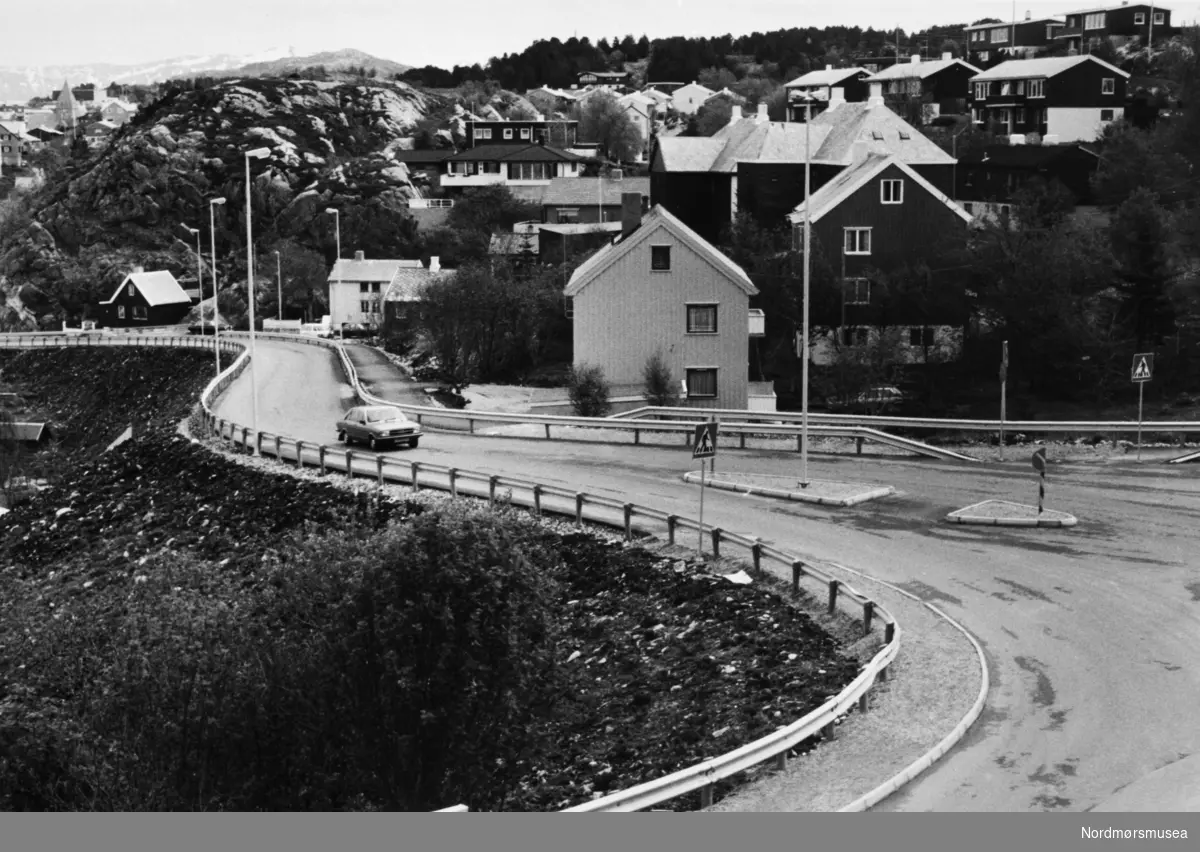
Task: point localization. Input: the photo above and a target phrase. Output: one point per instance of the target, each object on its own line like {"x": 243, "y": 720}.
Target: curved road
{"x": 1091, "y": 633}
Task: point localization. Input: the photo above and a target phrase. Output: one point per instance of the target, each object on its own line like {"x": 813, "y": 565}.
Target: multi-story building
{"x": 941, "y": 84}
{"x": 509, "y": 165}
{"x": 812, "y": 91}
{"x": 1025, "y": 39}
{"x": 1088, "y": 28}
{"x": 558, "y": 133}
{"x": 1061, "y": 98}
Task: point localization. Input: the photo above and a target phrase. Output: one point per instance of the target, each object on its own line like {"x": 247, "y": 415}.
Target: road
{"x": 1090, "y": 633}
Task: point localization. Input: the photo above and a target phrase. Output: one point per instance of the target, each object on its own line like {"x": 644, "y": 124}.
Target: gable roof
{"x": 369, "y": 271}
{"x": 410, "y": 282}
{"x": 847, "y": 123}
{"x": 994, "y": 25}
{"x": 919, "y": 70}
{"x": 1047, "y": 66}
{"x": 157, "y": 288}
{"x": 24, "y": 432}
{"x": 583, "y": 191}
{"x": 515, "y": 154}
{"x": 850, "y": 180}
{"x": 659, "y": 218}
{"x": 689, "y": 153}
{"x": 826, "y": 77}
{"x": 696, "y": 86}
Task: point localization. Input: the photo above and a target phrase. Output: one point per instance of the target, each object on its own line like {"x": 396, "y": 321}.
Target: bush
{"x": 588, "y": 391}
{"x": 659, "y": 386}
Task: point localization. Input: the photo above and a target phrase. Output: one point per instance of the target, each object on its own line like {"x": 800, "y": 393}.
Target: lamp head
{"x": 259, "y": 153}
{"x": 217, "y": 201}
{"x": 192, "y": 231}
{"x": 332, "y": 210}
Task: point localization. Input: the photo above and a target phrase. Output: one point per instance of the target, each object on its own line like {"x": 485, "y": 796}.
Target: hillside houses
{"x": 1013, "y": 40}
{"x": 940, "y": 85}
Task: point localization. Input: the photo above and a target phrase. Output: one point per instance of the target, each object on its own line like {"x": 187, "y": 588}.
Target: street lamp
{"x": 807, "y": 264}
{"x": 212, "y": 231}
{"x": 279, "y": 282}
{"x": 337, "y": 223}
{"x": 195, "y": 232}
{"x": 257, "y": 154}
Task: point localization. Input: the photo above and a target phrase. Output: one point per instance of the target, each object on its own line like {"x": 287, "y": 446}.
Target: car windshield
{"x": 384, "y": 415}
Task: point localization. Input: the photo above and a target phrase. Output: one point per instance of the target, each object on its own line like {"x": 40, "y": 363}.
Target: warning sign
{"x": 1143, "y": 367}
{"x": 704, "y": 446}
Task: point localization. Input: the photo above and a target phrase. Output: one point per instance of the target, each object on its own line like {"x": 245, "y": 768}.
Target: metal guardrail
{"x": 583, "y": 506}
{"x": 943, "y": 424}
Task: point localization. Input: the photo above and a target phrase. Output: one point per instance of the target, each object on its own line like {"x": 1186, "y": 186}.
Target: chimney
{"x": 631, "y": 211}
{"x": 876, "y": 98}
{"x": 915, "y": 59}
{"x": 137, "y": 270}
{"x": 1028, "y": 15}
{"x": 828, "y": 67}
{"x": 358, "y": 255}
{"x": 735, "y": 113}
{"x": 947, "y": 55}
{"x": 858, "y": 151}
{"x": 837, "y": 97}
{"x": 762, "y": 113}
{"x": 435, "y": 264}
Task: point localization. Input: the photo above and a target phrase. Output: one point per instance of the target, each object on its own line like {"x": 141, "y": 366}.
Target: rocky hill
{"x": 332, "y": 144}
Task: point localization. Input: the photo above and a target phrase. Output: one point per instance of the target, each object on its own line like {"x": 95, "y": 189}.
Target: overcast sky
{"x": 421, "y": 32}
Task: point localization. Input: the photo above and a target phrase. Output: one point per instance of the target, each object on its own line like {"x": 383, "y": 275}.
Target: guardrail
{"x": 583, "y": 507}
{"x": 942, "y": 424}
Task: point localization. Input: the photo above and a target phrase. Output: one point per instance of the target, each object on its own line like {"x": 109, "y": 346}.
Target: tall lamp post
{"x": 212, "y": 232}
{"x": 804, "y": 329}
{"x": 337, "y": 224}
{"x": 195, "y": 232}
{"x": 279, "y": 283}
{"x": 257, "y": 154}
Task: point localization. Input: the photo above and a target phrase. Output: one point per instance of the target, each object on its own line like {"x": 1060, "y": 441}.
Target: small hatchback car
{"x": 377, "y": 425}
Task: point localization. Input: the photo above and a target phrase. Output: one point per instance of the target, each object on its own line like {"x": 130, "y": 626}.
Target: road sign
{"x": 1143, "y": 367}
{"x": 704, "y": 445}
{"x": 1039, "y": 460}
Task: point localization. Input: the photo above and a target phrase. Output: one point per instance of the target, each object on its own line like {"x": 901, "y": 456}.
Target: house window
{"x": 1020, "y": 87}
{"x": 1139, "y": 18}
{"x": 660, "y": 258}
{"x": 120, "y": 312}
{"x": 489, "y": 168}
{"x": 981, "y": 91}
{"x": 858, "y": 240}
{"x": 364, "y": 307}
{"x": 1106, "y": 115}
{"x": 1006, "y": 88}
{"x": 701, "y": 382}
{"x": 1160, "y": 18}
{"x": 854, "y": 336}
{"x": 508, "y": 133}
{"x": 1108, "y": 86}
{"x": 568, "y": 214}
{"x": 1094, "y": 21}
{"x": 1020, "y": 115}
{"x": 983, "y": 55}
{"x": 1037, "y": 88}
{"x": 701, "y": 319}
{"x": 1000, "y": 35}
{"x": 525, "y": 133}
{"x": 375, "y": 287}
{"x": 858, "y": 291}
{"x": 483, "y": 133}
{"x": 363, "y": 287}
{"x": 969, "y": 207}
{"x": 139, "y": 312}
{"x": 1049, "y": 32}
{"x": 920, "y": 336}
{"x": 891, "y": 191}
{"x": 528, "y": 171}
{"x": 131, "y": 289}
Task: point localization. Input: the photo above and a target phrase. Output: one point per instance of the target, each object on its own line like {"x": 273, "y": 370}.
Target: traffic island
{"x": 821, "y": 491}
{"x": 1002, "y": 513}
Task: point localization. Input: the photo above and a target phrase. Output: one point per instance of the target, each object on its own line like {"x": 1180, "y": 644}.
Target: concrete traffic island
{"x": 1002, "y": 513}
{"x": 821, "y": 491}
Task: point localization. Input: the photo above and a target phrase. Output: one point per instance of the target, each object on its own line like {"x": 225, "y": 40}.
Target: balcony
{"x": 459, "y": 179}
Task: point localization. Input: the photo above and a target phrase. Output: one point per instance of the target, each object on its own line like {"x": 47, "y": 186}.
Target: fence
{"x": 629, "y": 517}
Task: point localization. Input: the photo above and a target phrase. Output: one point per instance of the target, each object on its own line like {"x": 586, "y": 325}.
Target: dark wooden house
{"x": 940, "y": 84}
{"x": 590, "y": 199}
{"x": 1088, "y": 28}
{"x": 814, "y": 90}
{"x": 145, "y": 299}
{"x": 560, "y": 134}
{"x": 989, "y": 43}
{"x": 995, "y": 174}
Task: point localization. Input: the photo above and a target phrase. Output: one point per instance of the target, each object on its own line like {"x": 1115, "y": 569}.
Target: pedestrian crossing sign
{"x": 1143, "y": 367}
{"x": 704, "y": 446}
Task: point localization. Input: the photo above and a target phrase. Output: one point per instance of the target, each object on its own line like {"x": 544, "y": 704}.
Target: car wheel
{"x": 413, "y": 443}
{"x": 342, "y": 438}
{"x": 374, "y": 444}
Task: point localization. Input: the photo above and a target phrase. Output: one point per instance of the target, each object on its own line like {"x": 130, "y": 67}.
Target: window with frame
{"x": 1106, "y": 115}
{"x": 858, "y": 240}
{"x": 1000, "y": 35}
{"x": 920, "y": 336}
{"x": 568, "y": 214}
{"x": 853, "y": 335}
{"x": 981, "y": 91}
{"x": 132, "y": 289}
{"x": 1094, "y": 21}
{"x": 983, "y": 55}
{"x": 528, "y": 171}
{"x": 1160, "y": 18}
{"x": 489, "y": 168}
{"x": 364, "y": 307}
{"x": 1006, "y": 88}
{"x": 120, "y": 312}
{"x": 526, "y": 133}
{"x": 891, "y": 191}
{"x": 660, "y": 258}
{"x": 702, "y": 319}
{"x": 701, "y": 382}
{"x": 139, "y": 312}
{"x": 1037, "y": 88}
{"x": 858, "y": 291}
{"x": 1139, "y": 18}
{"x": 508, "y": 133}
{"x": 483, "y": 133}
{"x": 1049, "y": 31}
{"x": 1020, "y": 90}
{"x": 1108, "y": 85}
{"x": 363, "y": 287}
{"x": 969, "y": 207}
{"x": 1020, "y": 115}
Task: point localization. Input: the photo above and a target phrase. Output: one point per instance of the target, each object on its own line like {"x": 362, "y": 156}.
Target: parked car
{"x": 880, "y": 399}
{"x": 376, "y": 425}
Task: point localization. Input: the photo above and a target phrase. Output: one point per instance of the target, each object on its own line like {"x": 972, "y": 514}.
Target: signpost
{"x": 1141, "y": 372}
{"x": 704, "y": 446}
{"x": 1039, "y": 464}
{"x": 1003, "y": 383}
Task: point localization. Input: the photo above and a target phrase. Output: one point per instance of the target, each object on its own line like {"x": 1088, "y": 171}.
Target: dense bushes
{"x": 389, "y": 669}
{"x": 588, "y": 391}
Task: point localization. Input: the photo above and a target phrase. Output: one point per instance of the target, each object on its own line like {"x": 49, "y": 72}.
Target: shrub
{"x": 659, "y": 386}
{"x": 588, "y": 391}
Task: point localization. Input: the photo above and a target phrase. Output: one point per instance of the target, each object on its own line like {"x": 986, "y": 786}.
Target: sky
{"x": 419, "y": 32}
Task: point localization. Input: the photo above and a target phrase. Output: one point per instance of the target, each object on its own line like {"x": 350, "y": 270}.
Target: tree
{"x": 1141, "y": 242}
{"x": 717, "y": 78}
{"x": 714, "y": 114}
{"x": 488, "y": 209}
{"x": 305, "y": 278}
{"x": 659, "y": 386}
{"x": 588, "y": 390}
{"x": 604, "y": 121}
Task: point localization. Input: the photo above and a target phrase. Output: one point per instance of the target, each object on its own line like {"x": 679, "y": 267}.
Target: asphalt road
{"x": 1091, "y": 633}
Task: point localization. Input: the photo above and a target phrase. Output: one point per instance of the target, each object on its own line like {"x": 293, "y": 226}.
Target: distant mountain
{"x": 18, "y": 85}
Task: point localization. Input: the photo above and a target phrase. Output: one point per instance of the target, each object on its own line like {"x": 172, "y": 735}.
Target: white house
{"x": 687, "y": 99}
